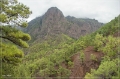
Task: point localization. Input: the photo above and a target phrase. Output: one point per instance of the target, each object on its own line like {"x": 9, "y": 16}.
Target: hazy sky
{"x": 101, "y": 10}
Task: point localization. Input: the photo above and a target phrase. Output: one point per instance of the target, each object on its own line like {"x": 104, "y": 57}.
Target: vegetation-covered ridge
{"x": 54, "y": 58}
{"x": 56, "y": 55}
{"x": 108, "y": 42}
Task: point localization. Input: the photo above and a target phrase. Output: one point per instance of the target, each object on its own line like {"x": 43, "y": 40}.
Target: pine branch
{"x": 13, "y": 40}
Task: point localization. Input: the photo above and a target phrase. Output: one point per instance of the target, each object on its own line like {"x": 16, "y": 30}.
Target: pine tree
{"x": 13, "y": 17}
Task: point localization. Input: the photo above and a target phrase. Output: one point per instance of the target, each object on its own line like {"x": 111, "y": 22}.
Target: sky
{"x": 101, "y": 10}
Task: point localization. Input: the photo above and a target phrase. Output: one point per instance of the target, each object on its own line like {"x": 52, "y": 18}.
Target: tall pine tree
{"x": 13, "y": 16}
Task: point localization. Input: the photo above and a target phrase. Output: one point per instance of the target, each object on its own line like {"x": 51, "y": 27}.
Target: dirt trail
{"x": 79, "y": 70}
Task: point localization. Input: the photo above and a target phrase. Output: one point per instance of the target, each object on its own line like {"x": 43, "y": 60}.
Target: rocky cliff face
{"x": 53, "y": 23}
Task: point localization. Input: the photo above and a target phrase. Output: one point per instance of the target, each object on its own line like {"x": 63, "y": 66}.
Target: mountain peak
{"x": 53, "y": 23}
{"x": 53, "y": 14}
{"x": 53, "y": 10}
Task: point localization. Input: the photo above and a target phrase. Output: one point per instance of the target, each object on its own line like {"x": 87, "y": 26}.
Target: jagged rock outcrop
{"x": 53, "y": 23}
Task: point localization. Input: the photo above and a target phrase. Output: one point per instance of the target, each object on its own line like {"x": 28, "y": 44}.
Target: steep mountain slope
{"x": 110, "y": 28}
{"x": 53, "y": 23}
{"x": 101, "y": 50}
{"x": 107, "y": 40}
{"x": 90, "y": 25}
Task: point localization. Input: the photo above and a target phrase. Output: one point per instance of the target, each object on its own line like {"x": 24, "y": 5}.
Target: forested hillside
{"x": 57, "y": 58}
{"x": 57, "y": 51}
{"x": 107, "y": 40}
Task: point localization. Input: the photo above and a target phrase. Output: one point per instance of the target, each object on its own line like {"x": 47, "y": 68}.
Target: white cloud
{"x": 102, "y": 10}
